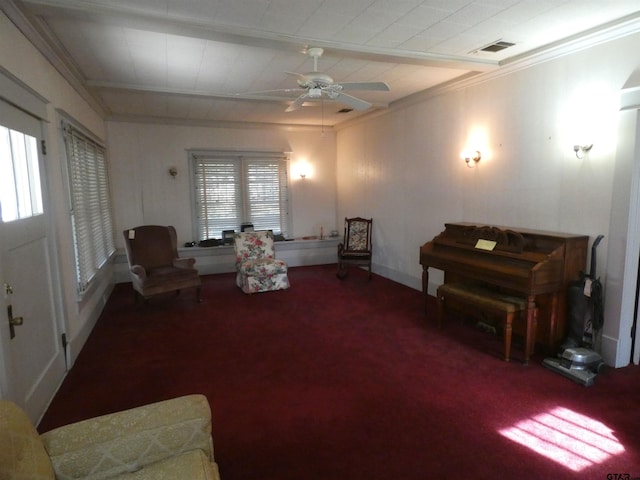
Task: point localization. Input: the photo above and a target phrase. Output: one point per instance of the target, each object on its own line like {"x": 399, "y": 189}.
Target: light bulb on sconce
{"x": 472, "y": 157}
{"x": 581, "y": 150}
{"x": 303, "y": 170}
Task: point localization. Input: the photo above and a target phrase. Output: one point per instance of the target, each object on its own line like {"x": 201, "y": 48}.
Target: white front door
{"x": 32, "y": 359}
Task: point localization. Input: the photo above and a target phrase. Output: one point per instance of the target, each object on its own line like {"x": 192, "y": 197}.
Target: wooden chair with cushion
{"x": 154, "y": 265}
{"x": 356, "y": 248}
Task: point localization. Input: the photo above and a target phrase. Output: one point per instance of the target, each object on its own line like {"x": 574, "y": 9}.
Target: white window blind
{"x": 232, "y": 189}
{"x": 91, "y": 210}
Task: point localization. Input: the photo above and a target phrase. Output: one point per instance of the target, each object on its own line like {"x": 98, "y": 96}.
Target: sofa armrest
{"x": 184, "y": 262}
{"x": 139, "y": 271}
{"x": 127, "y": 441}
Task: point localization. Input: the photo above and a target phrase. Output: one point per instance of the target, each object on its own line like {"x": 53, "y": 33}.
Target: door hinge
{"x": 43, "y": 145}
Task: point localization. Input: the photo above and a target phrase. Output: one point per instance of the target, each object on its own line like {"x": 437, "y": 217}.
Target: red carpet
{"x": 349, "y": 380}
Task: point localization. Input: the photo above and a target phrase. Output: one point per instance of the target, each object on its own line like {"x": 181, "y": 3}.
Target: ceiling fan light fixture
{"x": 315, "y": 92}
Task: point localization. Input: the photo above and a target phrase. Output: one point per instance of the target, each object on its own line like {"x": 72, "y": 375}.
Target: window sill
{"x": 221, "y": 259}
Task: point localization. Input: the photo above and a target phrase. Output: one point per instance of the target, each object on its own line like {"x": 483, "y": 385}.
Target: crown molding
{"x": 613, "y": 31}
{"x": 186, "y": 122}
{"x": 38, "y": 34}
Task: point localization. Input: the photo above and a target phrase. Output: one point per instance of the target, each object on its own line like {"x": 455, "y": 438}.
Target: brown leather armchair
{"x": 154, "y": 265}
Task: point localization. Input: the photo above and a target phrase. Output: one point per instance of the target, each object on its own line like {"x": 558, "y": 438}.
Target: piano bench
{"x": 485, "y": 300}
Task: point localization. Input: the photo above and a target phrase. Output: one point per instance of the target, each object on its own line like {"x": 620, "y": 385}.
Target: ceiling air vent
{"x": 496, "y": 46}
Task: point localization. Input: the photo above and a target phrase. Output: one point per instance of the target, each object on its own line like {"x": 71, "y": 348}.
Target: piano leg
{"x": 508, "y": 331}
{"x": 532, "y": 324}
{"x": 425, "y": 287}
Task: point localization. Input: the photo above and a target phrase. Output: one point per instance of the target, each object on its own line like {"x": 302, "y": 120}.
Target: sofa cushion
{"x": 22, "y": 454}
{"x": 263, "y": 267}
{"x": 192, "y": 465}
{"x": 107, "y": 446}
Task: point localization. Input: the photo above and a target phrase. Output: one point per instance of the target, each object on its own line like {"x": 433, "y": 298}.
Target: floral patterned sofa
{"x": 258, "y": 270}
{"x": 162, "y": 441}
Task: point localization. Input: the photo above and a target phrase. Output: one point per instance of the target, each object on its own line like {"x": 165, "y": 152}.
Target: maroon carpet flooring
{"x": 351, "y": 380}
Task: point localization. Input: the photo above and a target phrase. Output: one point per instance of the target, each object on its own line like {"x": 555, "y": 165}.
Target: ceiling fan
{"x": 316, "y": 85}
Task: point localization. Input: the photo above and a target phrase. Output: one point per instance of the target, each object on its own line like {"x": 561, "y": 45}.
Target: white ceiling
{"x": 200, "y": 60}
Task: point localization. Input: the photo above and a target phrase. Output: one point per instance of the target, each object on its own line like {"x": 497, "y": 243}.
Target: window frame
{"x": 22, "y": 185}
{"x": 242, "y": 159}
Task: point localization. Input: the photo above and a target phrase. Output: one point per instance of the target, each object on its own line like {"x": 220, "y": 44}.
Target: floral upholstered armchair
{"x": 357, "y": 247}
{"x": 162, "y": 441}
{"x": 258, "y": 270}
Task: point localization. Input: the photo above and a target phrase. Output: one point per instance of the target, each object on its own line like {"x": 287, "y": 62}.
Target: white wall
{"x": 140, "y": 156}
{"x": 404, "y": 168}
{"x": 21, "y": 59}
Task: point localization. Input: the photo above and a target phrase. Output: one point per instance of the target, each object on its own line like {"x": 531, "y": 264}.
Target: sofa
{"x": 166, "y": 440}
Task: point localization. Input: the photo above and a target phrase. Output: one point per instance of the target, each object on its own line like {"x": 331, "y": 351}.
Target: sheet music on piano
{"x": 533, "y": 264}
{"x": 486, "y": 244}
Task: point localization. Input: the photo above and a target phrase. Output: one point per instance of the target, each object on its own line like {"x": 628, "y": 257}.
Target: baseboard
{"x": 75, "y": 344}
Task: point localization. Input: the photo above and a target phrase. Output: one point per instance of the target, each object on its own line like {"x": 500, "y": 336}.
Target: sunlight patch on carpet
{"x": 566, "y": 437}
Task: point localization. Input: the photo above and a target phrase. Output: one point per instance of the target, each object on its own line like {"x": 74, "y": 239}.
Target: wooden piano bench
{"x": 491, "y": 302}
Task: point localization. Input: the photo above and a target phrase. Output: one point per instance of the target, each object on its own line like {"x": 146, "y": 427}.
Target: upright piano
{"x": 535, "y": 265}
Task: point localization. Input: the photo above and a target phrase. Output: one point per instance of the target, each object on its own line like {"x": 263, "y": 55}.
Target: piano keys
{"x": 535, "y": 265}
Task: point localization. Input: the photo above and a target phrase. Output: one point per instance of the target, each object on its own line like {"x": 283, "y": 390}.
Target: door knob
{"x": 13, "y": 321}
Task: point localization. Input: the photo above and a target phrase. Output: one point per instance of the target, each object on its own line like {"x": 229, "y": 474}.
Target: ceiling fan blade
{"x": 379, "y": 86}
{"x": 277, "y": 90}
{"x": 295, "y": 74}
{"x": 297, "y": 103}
{"x": 353, "y": 102}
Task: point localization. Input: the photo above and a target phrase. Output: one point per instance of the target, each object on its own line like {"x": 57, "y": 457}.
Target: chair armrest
{"x": 184, "y": 262}
{"x": 127, "y": 441}
{"x": 139, "y": 271}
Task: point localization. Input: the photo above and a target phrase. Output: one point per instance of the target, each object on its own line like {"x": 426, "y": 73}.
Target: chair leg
{"x": 342, "y": 271}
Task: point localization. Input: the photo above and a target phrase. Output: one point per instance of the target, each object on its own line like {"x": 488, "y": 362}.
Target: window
{"x": 233, "y": 188}
{"x": 20, "y": 190}
{"x": 91, "y": 213}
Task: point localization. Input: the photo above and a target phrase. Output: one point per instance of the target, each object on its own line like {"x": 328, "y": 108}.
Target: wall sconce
{"x": 303, "y": 170}
{"x": 173, "y": 171}
{"x": 581, "y": 150}
{"x": 472, "y": 156}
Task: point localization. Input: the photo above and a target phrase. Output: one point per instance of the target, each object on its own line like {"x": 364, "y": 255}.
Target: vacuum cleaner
{"x": 580, "y": 364}
{"x": 577, "y": 360}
